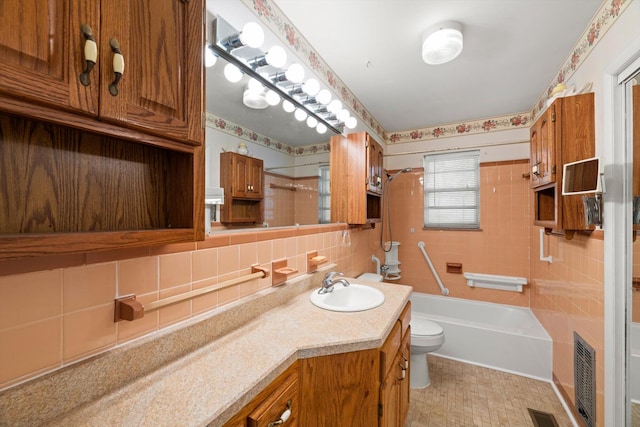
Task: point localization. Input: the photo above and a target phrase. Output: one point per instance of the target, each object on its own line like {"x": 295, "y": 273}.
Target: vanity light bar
{"x": 220, "y": 48}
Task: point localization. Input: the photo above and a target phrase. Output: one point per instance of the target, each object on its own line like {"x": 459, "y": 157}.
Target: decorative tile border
{"x": 273, "y": 17}
{"x": 247, "y": 134}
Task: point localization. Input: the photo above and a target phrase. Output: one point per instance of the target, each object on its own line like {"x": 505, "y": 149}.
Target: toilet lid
{"x": 424, "y": 327}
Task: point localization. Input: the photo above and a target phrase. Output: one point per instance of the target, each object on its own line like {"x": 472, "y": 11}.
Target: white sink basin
{"x": 355, "y": 297}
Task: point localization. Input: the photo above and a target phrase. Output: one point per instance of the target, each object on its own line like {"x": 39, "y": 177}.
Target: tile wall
{"x": 290, "y": 200}
{"x": 500, "y": 247}
{"x": 54, "y": 312}
{"x": 568, "y": 295}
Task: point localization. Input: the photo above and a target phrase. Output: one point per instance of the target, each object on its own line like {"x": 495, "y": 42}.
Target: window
{"x": 324, "y": 196}
{"x": 452, "y": 190}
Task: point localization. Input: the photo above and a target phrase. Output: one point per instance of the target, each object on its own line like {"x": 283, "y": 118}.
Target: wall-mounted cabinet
{"x": 564, "y": 133}
{"x": 88, "y": 164}
{"x": 356, "y": 169}
{"x": 242, "y": 179}
{"x": 159, "y": 91}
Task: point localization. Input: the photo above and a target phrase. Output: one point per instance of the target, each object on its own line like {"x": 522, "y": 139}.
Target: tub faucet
{"x": 328, "y": 282}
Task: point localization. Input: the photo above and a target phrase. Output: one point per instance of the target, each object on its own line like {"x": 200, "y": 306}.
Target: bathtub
{"x": 503, "y": 337}
{"x": 634, "y": 363}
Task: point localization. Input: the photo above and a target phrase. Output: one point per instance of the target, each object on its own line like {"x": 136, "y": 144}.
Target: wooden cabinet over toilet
{"x": 242, "y": 179}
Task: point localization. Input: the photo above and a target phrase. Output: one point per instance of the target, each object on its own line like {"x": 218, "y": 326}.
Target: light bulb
{"x": 209, "y": 57}
{"x": 252, "y": 35}
{"x": 288, "y": 106}
{"x": 311, "y": 87}
{"x": 334, "y": 106}
{"x": 323, "y": 97}
{"x": 272, "y": 97}
{"x": 321, "y": 128}
{"x": 295, "y": 73}
{"x": 312, "y": 122}
{"x": 232, "y": 73}
{"x": 351, "y": 122}
{"x": 342, "y": 115}
{"x": 276, "y": 56}
{"x": 300, "y": 114}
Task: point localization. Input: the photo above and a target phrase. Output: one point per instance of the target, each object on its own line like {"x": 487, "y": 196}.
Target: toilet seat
{"x": 424, "y": 328}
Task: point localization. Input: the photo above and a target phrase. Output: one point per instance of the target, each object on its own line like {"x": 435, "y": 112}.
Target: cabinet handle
{"x": 283, "y": 418}
{"x": 90, "y": 54}
{"x": 118, "y": 66}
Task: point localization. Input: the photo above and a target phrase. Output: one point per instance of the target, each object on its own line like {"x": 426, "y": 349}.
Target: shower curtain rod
{"x": 406, "y": 153}
{"x": 295, "y": 166}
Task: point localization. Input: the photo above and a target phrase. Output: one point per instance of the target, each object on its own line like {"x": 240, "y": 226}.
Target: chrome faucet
{"x": 328, "y": 282}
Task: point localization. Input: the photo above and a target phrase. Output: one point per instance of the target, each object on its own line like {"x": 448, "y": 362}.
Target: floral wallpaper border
{"x": 249, "y": 135}
{"x": 275, "y": 19}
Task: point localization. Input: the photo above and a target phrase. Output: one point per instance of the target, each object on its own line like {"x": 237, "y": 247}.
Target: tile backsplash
{"x": 54, "y": 317}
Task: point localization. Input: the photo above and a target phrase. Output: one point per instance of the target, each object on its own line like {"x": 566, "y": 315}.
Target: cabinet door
{"x": 42, "y": 52}
{"x": 241, "y": 172}
{"x": 390, "y": 398}
{"x": 546, "y": 142}
{"x": 405, "y": 389}
{"x": 161, "y": 90}
{"x": 374, "y": 166}
{"x": 255, "y": 178}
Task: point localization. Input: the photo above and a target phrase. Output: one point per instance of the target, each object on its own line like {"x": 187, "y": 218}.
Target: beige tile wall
{"x": 501, "y": 247}
{"x": 51, "y": 318}
{"x": 284, "y": 207}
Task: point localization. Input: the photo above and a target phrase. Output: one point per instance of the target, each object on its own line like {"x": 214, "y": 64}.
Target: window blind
{"x": 324, "y": 195}
{"x": 452, "y": 190}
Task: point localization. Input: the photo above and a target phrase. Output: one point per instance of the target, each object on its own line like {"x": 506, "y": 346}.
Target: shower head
{"x": 392, "y": 177}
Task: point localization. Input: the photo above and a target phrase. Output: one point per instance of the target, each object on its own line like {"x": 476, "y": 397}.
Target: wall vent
{"x": 585, "y": 379}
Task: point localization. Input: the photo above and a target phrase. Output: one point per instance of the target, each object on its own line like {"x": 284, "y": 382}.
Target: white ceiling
{"x": 512, "y": 51}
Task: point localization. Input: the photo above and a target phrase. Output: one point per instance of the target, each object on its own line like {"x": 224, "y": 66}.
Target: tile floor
{"x": 635, "y": 415}
{"x": 464, "y": 395}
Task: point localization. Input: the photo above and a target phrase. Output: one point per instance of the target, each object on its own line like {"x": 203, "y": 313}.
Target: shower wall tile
{"x": 500, "y": 247}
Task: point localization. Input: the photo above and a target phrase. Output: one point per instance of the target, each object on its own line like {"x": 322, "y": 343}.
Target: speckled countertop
{"x": 216, "y": 370}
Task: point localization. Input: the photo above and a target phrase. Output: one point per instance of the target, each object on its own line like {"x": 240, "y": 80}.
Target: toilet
{"x": 426, "y": 336}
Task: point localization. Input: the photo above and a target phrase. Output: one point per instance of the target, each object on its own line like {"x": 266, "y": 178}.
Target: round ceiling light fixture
{"x": 442, "y": 43}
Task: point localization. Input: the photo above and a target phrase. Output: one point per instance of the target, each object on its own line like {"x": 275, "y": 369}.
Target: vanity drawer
{"x": 283, "y": 403}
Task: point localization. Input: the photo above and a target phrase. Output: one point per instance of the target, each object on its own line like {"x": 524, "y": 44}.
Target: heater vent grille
{"x": 585, "y": 379}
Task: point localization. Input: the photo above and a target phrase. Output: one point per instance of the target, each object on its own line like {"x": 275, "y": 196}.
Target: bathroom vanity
{"x": 250, "y": 357}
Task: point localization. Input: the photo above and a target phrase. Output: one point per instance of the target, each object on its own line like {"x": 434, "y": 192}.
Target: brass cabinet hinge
{"x": 553, "y": 169}
{"x": 380, "y": 410}
{"x": 553, "y": 117}
{"x": 204, "y": 120}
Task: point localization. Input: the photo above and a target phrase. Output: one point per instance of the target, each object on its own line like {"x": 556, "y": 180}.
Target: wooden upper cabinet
{"x": 374, "y": 165}
{"x": 564, "y": 133}
{"x": 42, "y": 52}
{"x": 543, "y": 158}
{"x": 160, "y": 92}
{"x": 355, "y": 159}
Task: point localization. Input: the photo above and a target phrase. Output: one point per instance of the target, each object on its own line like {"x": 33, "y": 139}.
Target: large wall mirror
{"x": 295, "y": 156}
{"x": 632, "y": 118}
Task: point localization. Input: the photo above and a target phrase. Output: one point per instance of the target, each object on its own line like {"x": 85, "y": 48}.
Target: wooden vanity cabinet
{"x": 42, "y": 55}
{"x": 269, "y": 405}
{"x": 242, "y": 179}
{"x": 564, "y": 133}
{"x": 367, "y": 388}
{"x": 356, "y": 179}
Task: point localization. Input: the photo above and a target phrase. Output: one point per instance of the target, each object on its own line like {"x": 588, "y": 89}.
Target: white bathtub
{"x": 634, "y": 368}
{"x": 497, "y": 336}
